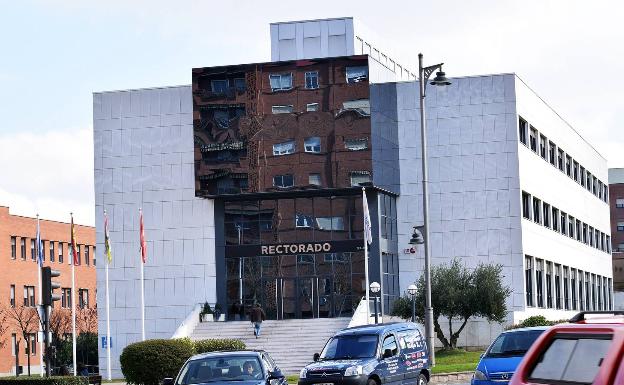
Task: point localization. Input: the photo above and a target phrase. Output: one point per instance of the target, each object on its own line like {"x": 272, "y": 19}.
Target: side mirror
{"x": 316, "y": 357}
{"x": 167, "y": 381}
{"x": 274, "y": 375}
{"x": 387, "y": 353}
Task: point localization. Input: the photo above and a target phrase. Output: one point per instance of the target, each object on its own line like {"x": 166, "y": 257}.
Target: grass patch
{"x": 292, "y": 379}
{"x": 457, "y": 360}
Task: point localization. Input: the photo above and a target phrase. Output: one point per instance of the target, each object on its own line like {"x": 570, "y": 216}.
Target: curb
{"x": 442, "y": 378}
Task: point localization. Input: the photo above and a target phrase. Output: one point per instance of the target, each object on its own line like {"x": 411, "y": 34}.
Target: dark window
{"x": 528, "y": 280}
{"x": 543, "y": 146}
{"x": 33, "y": 254}
{"x": 83, "y": 298}
{"x": 239, "y": 84}
{"x": 52, "y": 254}
{"x": 29, "y": 296}
{"x": 585, "y": 237}
{"x": 581, "y": 297}
{"x": 356, "y": 74}
{"x": 536, "y": 210}
{"x": 595, "y": 186}
{"x": 566, "y": 289}
{"x": 549, "y": 299}
{"x": 552, "y": 153}
{"x": 390, "y": 343}
{"x": 526, "y": 205}
{"x": 582, "y": 176}
{"x": 13, "y": 246}
{"x": 560, "y": 159}
{"x": 555, "y": 219}
{"x": 23, "y": 248}
{"x": 569, "y": 165}
{"x": 513, "y": 344}
{"x": 219, "y": 86}
{"x": 619, "y": 203}
{"x": 283, "y": 180}
{"x": 533, "y": 139}
{"x": 60, "y": 252}
{"x": 539, "y": 281}
{"x": 66, "y": 298}
{"x": 312, "y": 144}
{"x": 564, "y": 227}
{"x": 575, "y": 171}
{"x": 558, "y": 299}
{"x": 588, "y": 180}
{"x": 311, "y": 79}
{"x": 12, "y": 298}
{"x": 86, "y": 255}
{"x": 571, "y": 359}
{"x": 573, "y": 289}
{"x": 546, "y": 214}
{"x": 522, "y": 130}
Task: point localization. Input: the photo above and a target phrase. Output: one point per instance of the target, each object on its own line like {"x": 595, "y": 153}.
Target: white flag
{"x": 368, "y": 234}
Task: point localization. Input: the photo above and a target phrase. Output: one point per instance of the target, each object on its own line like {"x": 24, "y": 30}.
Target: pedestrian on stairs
{"x": 257, "y": 316}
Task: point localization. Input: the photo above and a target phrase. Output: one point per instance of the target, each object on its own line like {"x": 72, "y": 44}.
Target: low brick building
{"x": 19, "y": 291}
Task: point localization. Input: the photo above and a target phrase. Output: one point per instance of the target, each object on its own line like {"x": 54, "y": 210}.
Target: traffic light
{"x": 48, "y": 286}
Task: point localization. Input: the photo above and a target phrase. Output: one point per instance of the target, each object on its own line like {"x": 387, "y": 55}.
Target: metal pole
{"x": 365, "y": 204}
{"x": 108, "y": 335}
{"x": 413, "y": 308}
{"x": 425, "y": 181}
{"x": 48, "y": 310}
{"x": 240, "y": 269}
{"x": 376, "y": 316}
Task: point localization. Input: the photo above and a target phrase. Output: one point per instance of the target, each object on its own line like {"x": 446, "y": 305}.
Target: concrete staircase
{"x": 291, "y": 343}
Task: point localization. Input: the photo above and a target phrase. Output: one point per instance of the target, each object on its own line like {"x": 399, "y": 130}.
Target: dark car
{"x": 245, "y": 367}
{"x": 393, "y": 353}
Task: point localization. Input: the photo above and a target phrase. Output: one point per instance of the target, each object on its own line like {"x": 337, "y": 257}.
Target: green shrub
{"x": 536, "y": 320}
{"x": 55, "y": 380}
{"x": 215, "y": 345}
{"x": 150, "y": 361}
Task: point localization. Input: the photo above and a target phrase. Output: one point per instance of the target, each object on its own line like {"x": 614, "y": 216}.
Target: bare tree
{"x": 86, "y": 319}
{"x": 26, "y": 319}
{"x": 3, "y": 327}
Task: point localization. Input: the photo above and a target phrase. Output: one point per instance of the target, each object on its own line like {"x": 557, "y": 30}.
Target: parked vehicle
{"x": 588, "y": 350}
{"x": 394, "y": 353}
{"x": 244, "y": 367}
{"x": 499, "y": 362}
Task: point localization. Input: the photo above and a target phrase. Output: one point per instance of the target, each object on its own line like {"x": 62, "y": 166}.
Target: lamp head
{"x": 440, "y": 79}
{"x": 417, "y": 236}
{"x": 375, "y": 287}
{"x": 412, "y": 289}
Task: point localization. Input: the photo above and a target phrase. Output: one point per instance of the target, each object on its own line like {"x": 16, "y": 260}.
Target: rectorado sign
{"x": 294, "y": 248}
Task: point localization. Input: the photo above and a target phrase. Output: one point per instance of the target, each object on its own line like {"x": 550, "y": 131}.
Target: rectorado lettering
{"x": 296, "y": 248}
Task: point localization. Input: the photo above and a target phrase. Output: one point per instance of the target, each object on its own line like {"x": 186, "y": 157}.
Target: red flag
{"x": 73, "y": 243}
{"x": 143, "y": 242}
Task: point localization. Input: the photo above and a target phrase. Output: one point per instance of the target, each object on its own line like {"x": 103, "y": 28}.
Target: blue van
{"x": 499, "y": 362}
{"x": 393, "y": 353}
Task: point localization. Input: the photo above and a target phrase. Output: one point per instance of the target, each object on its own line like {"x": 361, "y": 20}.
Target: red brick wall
{"x": 22, "y": 273}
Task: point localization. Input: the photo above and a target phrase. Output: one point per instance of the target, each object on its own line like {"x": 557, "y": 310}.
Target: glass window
{"x": 564, "y": 226}
{"x": 548, "y": 282}
{"x": 566, "y": 289}
{"x": 537, "y": 210}
{"x": 86, "y": 255}
{"x": 546, "y": 214}
{"x": 219, "y": 86}
{"x": 12, "y": 298}
{"x": 281, "y": 109}
{"x": 13, "y": 246}
{"x": 358, "y": 177}
{"x": 555, "y": 219}
{"x": 390, "y": 343}
{"x": 330, "y": 223}
{"x": 560, "y": 159}
{"x": 558, "y": 299}
{"x": 512, "y": 344}
{"x": 528, "y": 280}
{"x": 302, "y": 220}
{"x": 281, "y": 81}
{"x": 543, "y": 146}
{"x": 284, "y": 148}
{"x": 13, "y": 343}
{"x": 312, "y": 144}
{"x": 356, "y": 144}
{"x": 33, "y": 255}
{"x": 240, "y": 84}
{"x": 228, "y": 368}
{"x": 539, "y": 281}
{"x": 619, "y": 203}
{"x": 311, "y": 79}
{"x": 522, "y": 130}
{"x": 52, "y": 253}
{"x": 311, "y": 107}
{"x": 575, "y": 171}
{"x": 582, "y": 176}
{"x": 533, "y": 139}
{"x": 361, "y": 106}
{"x": 314, "y": 179}
{"x": 283, "y": 180}
{"x": 357, "y": 74}
{"x": 570, "y": 359}
{"x": 552, "y": 153}
{"x": 350, "y": 347}
{"x": 23, "y": 248}
{"x": 60, "y": 252}
{"x": 569, "y": 165}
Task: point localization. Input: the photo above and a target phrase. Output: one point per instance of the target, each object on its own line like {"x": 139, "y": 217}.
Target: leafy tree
{"x": 87, "y": 348}
{"x": 458, "y": 293}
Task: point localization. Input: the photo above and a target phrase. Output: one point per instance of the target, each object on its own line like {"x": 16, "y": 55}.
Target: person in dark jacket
{"x": 257, "y": 316}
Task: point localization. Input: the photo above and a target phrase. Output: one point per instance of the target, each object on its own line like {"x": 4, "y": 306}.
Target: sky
{"x": 55, "y": 54}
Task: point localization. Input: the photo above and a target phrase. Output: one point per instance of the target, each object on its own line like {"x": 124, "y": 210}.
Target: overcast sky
{"x": 54, "y": 54}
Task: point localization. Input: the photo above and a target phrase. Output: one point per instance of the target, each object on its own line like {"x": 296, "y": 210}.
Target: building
{"x": 251, "y": 184}
{"x": 616, "y": 201}
{"x": 19, "y": 280}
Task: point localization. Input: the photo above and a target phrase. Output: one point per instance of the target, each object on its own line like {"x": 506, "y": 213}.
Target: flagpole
{"x": 39, "y": 293}
{"x": 142, "y": 282}
{"x": 366, "y": 262}
{"x": 107, "y": 254}
{"x": 73, "y": 295}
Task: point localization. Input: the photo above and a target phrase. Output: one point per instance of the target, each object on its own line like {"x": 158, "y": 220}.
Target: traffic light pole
{"x": 47, "y": 311}
{"x": 48, "y": 298}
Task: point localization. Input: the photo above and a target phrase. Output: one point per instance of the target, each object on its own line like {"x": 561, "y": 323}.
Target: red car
{"x": 587, "y": 350}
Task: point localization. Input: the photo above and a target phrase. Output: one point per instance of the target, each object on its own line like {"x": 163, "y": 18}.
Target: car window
{"x": 574, "y": 360}
{"x": 350, "y": 346}
{"x": 222, "y": 368}
{"x": 513, "y": 344}
{"x": 390, "y": 343}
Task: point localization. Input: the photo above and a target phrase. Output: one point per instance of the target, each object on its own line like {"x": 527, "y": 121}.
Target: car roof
{"x": 377, "y": 329}
{"x": 250, "y": 353}
{"x": 542, "y": 328}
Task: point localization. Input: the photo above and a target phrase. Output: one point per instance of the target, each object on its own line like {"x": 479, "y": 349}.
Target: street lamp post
{"x": 411, "y": 289}
{"x": 440, "y": 80}
{"x": 375, "y": 287}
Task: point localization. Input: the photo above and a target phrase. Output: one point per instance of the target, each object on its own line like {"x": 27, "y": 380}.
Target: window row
{"x": 66, "y": 297}
{"x": 555, "y": 155}
{"x": 551, "y": 217}
{"x": 288, "y": 180}
{"x": 54, "y": 250}
{"x": 619, "y": 203}
{"x": 284, "y": 81}
{"x": 360, "y": 106}
{"x": 312, "y": 145}
{"x": 30, "y": 346}
{"x": 555, "y": 286}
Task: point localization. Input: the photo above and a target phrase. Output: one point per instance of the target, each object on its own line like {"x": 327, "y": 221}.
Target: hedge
{"x": 215, "y": 345}
{"x": 536, "y": 320}
{"x": 148, "y": 362}
{"x": 55, "y": 380}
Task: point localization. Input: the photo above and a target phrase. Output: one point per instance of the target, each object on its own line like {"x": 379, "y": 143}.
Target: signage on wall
{"x": 409, "y": 250}
{"x": 294, "y": 248}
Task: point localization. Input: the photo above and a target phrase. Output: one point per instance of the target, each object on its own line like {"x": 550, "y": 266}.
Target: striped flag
{"x": 74, "y": 248}
{"x": 368, "y": 236}
{"x": 107, "y": 246}
{"x": 39, "y": 245}
{"x": 142, "y": 237}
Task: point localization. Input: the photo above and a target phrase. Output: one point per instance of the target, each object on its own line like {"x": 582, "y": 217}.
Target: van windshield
{"x": 513, "y": 344}
{"x": 349, "y": 347}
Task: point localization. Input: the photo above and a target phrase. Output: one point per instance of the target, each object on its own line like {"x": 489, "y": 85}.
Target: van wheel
{"x": 372, "y": 381}
{"x": 422, "y": 379}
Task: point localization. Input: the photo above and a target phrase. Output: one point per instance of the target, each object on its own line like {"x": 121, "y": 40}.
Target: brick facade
{"x": 21, "y": 270}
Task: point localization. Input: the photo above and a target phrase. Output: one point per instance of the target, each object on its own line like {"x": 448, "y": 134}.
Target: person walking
{"x": 257, "y": 316}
